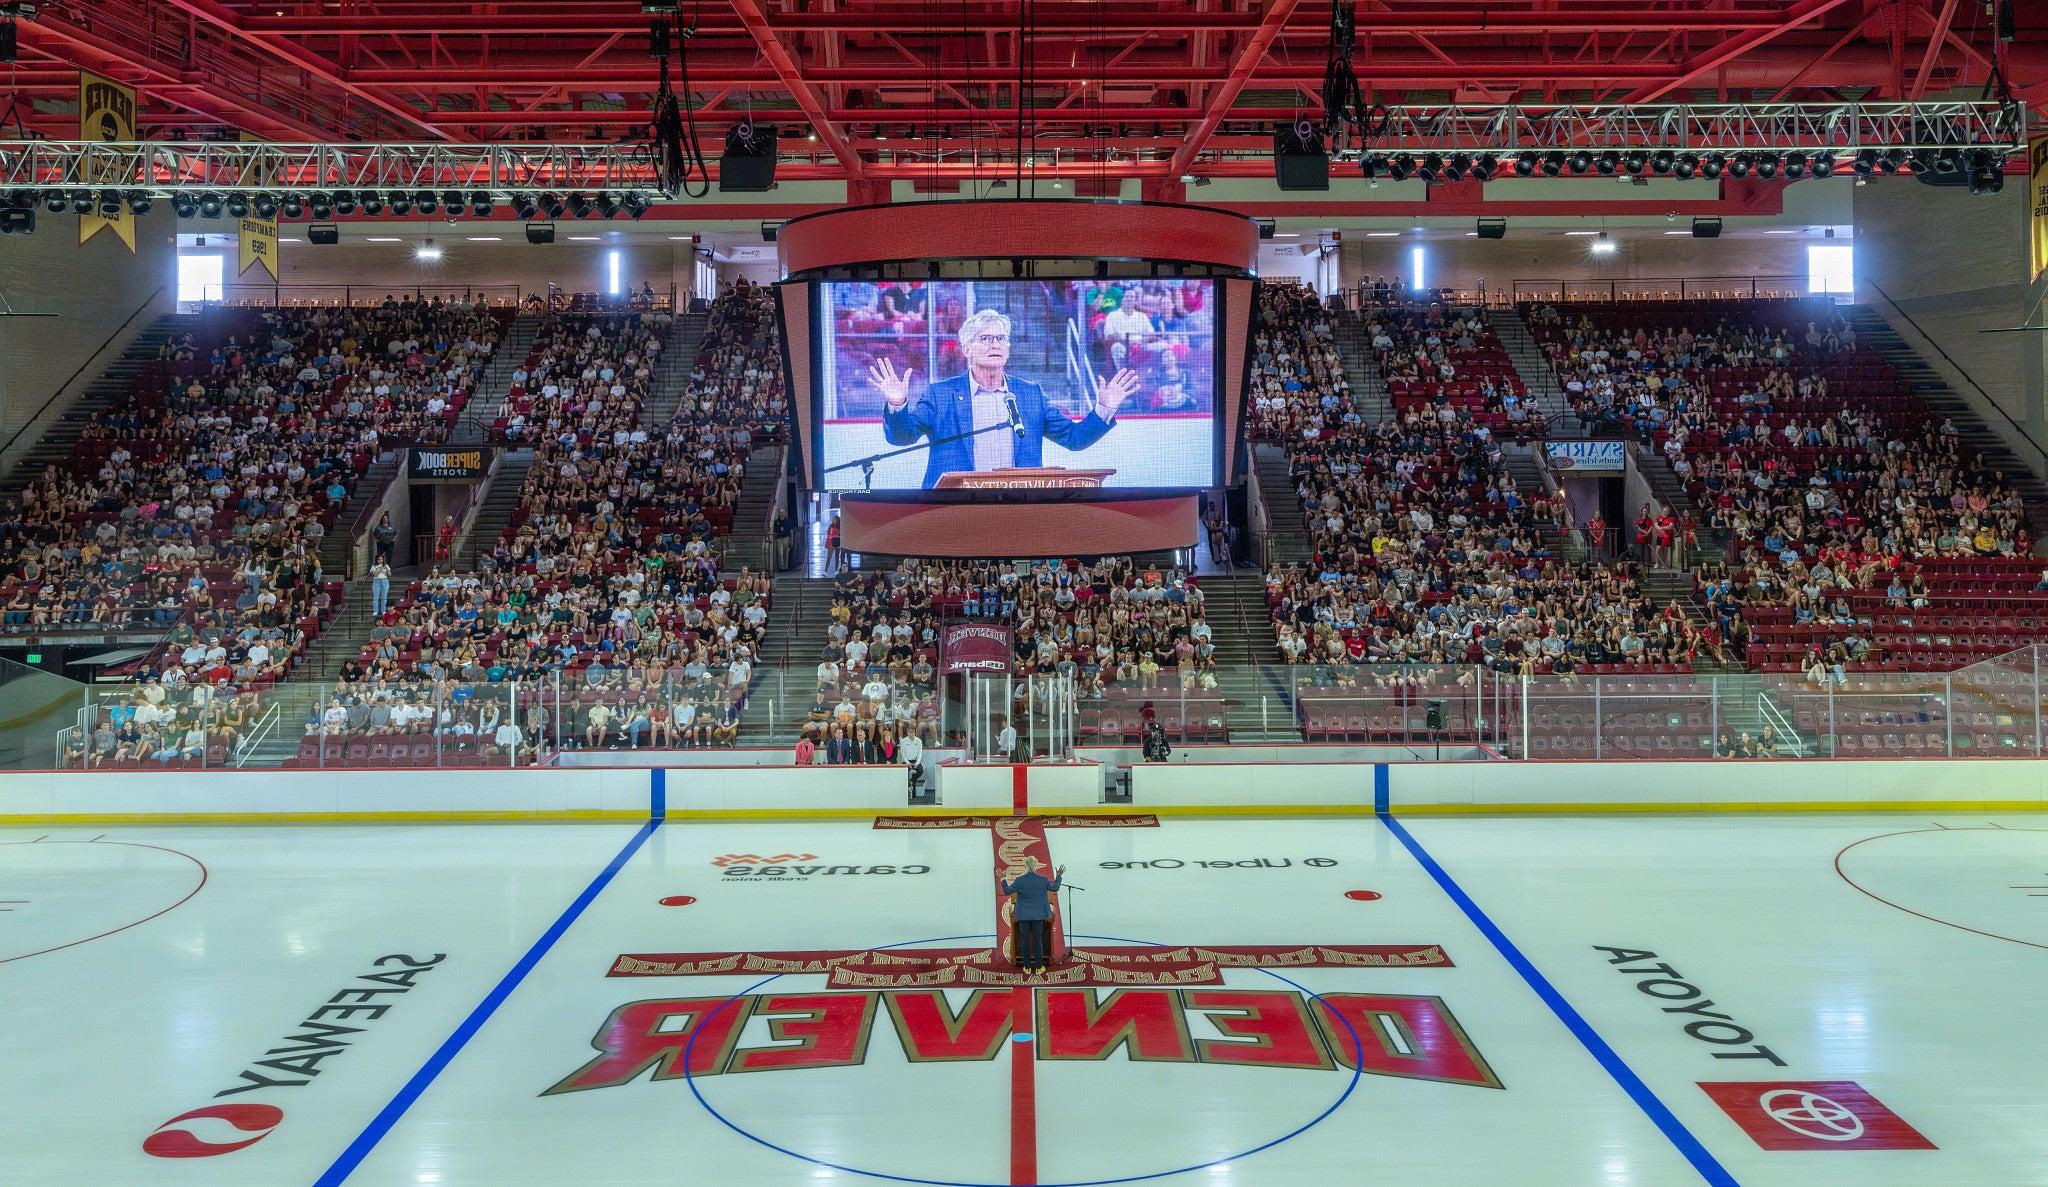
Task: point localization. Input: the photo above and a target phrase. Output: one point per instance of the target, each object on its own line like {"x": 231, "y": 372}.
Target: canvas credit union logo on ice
{"x": 1814, "y": 1115}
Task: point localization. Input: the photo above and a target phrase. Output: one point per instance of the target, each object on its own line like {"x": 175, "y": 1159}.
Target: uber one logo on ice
{"x": 294, "y": 1063}
{"x": 1249, "y": 863}
{"x": 756, "y": 868}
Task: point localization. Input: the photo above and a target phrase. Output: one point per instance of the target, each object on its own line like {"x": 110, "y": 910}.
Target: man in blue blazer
{"x": 1031, "y": 917}
{"x": 983, "y": 397}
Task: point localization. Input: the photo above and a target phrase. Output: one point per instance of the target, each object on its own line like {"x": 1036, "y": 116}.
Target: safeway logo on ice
{"x": 755, "y": 859}
{"x": 213, "y": 1131}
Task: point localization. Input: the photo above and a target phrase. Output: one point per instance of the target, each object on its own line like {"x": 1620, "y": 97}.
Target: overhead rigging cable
{"x": 678, "y": 155}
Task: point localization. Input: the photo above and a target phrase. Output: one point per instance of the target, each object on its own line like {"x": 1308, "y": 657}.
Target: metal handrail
{"x": 1960, "y": 369}
{"x": 264, "y": 725}
{"x": 1565, "y": 288}
{"x": 97, "y": 351}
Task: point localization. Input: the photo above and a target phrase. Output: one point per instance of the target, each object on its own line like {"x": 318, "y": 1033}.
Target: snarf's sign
{"x": 1381, "y": 1034}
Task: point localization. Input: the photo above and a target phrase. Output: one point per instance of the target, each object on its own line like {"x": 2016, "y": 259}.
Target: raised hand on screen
{"x": 1115, "y": 390}
{"x": 895, "y": 388}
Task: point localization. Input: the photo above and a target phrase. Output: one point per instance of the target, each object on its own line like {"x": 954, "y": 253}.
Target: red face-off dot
{"x": 1363, "y": 896}
{"x": 684, "y": 900}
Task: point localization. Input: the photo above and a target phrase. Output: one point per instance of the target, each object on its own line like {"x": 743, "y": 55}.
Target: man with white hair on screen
{"x": 988, "y": 396}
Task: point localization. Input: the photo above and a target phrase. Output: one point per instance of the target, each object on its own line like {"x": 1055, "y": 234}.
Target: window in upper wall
{"x": 1831, "y": 268}
{"x": 200, "y": 278}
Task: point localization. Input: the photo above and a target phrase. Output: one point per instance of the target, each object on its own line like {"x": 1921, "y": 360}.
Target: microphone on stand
{"x": 1016, "y": 417}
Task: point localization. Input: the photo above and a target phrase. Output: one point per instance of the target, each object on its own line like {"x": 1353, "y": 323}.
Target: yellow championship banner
{"x": 2037, "y": 197}
{"x": 106, "y": 113}
{"x": 258, "y": 239}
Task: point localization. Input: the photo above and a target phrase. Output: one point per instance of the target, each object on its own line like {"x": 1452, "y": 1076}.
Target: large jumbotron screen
{"x": 1103, "y": 379}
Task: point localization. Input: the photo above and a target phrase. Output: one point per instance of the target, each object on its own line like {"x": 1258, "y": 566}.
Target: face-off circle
{"x": 60, "y": 894}
{"x": 696, "y": 1089}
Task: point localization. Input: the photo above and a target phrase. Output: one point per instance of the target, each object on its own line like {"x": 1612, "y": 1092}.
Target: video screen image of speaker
{"x": 1115, "y": 381}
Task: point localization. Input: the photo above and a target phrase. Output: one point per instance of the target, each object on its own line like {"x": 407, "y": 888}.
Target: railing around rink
{"x": 1995, "y": 708}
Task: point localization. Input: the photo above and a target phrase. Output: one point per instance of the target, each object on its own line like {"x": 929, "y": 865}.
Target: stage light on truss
{"x": 1580, "y": 161}
{"x": 1525, "y": 165}
{"x": 1767, "y": 166}
{"x": 451, "y": 201}
{"x": 1634, "y": 163}
{"x": 426, "y": 202}
{"x": 523, "y": 206}
{"x": 264, "y": 205}
{"x": 1684, "y": 167}
{"x": 1553, "y": 164}
{"x": 1609, "y": 164}
{"x": 1661, "y": 161}
{"x": 553, "y": 204}
{"x": 1402, "y": 167}
{"x": 579, "y": 205}
{"x": 1485, "y": 167}
{"x": 1739, "y": 165}
{"x": 399, "y": 202}
{"x": 58, "y": 203}
{"x": 139, "y": 202}
{"x": 238, "y": 205}
{"x": 607, "y": 205}
{"x": 1432, "y": 165}
{"x": 320, "y": 205}
{"x": 344, "y": 202}
{"x": 1794, "y": 167}
{"x": 1712, "y": 164}
{"x": 210, "y": 205}
{"x": 638, "y": 204}
{"x": 1892, "y": 161}
{"x": 1865, "y": 163}
{"x": 1461, "y": 164}
{"x": 293, "y": 206}
{"x": 183, "y": 204}
{"x": 481, "y": 204}
{"x": 1986, "y": 172}
{"x": 109, "y": 202}
{"x": 371, "y": 203}
{"x": 1369, "y": 166}
{"x": 81, "y": 201}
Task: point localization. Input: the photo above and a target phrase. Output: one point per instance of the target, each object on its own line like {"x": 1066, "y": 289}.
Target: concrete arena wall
{"x": 738, "y": 792}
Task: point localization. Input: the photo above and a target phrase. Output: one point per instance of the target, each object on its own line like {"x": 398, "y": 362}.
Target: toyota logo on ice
{"x": 1812, "y": 1115}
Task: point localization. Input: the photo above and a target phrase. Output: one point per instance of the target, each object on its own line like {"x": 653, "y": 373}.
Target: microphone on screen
{"x": 1016, "y": 417}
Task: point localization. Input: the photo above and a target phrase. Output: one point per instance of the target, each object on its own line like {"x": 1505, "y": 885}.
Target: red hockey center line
{"x": 1023, "y": 1092}
{"x": 1020, "y": 790}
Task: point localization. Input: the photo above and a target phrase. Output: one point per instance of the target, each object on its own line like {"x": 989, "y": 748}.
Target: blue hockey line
{"x": 439, "y": 1060}
{"x": 657, "y": 802}
{"x": 1659, "y": 1114}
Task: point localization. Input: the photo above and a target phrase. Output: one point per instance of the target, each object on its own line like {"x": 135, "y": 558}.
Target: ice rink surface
{"x": 1793, "y": 999}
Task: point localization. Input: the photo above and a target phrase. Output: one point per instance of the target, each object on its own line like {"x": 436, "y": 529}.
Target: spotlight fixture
{"x": 321, "y": 206}
{"x": 238, "y": 205}
{"x": 1581, "y": 161}
{"x": 1484, "y": 168}
{"x": 1553, "y": 164}
{"x": 1603, "y": 246}
{"x": 1634, "y": 163}
{"x": 426, "y": 202}
{"x": 1794, "y": 167}
{"x": 182, "y": 204}
{"x": 1891, "y": 161}
{"x": 553, "y": 204}
{"x": 1865, "y": 163}
{"x": 1739, "y": 165}
{"x": 1525, "y": 165}
{"x": 481, "y": 204}
{"x": 426, "y": 251}
{"x": 1610, "y": 163}
{"x": 210, "y": 205}
{"x": 1767, "y": 166}
{"x": 1402, "y": 167}
{"x": 1712, "y": 164}
{"x": 638, "y": 204}
{"x": 293, "y": 206}
{"x": 1368, "y": 167}
{"x": 1986, "y": 172}
{"x": 140, "y": 202}
{"x": 372, "y": 204}
{"x": 344, "y": 202}
{"x": 109, "y": 203}
{"x": 579, "y": 205}
{"x": 264, "y": 205}
{"x": 58, "y": 204}
{"x": 81, "y": 201}
{"x": 400, "y": 202}
{"x": 451, "y": 201}
{"x": 1684, "y": 167}
{"x": 1661, "y": 162}
{"x": 522, "y": 205}
{"x": 1947, "y": 161}
{"x": 1432, "y": 167}
{"x": 607, "y": 205}
{"x": 1821, "y": 164}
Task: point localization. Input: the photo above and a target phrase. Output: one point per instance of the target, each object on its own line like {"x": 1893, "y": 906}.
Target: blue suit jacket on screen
{"x": 946, "y": 408}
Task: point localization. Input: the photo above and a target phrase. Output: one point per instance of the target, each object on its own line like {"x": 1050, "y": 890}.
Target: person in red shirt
{"x": 1597, "y": 529}
{"x": 1643, "y": 522}
{"x": 1667, "y": 527}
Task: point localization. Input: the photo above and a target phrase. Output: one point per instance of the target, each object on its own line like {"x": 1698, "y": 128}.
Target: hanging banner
{"x": 974, "y": 647}
{"x": 2037, "y": 196}
{"x": 258, "y": 237}
{"x": 1582, "y": 457}
{"x": 106, "y": 114}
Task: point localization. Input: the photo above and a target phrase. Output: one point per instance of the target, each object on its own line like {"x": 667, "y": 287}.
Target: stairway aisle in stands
{"x": 1289, "y": 542}
{"x": 1873, "y": 332}
{"x": 1535, "y": 371}
{"x": 785, "y": 673}
{"x": 112, "y": 388}
{"x": 752, "y": 531}
{"x": 1529, "y": 479}
{"x": 1250, "y": 672}
{"x": 500, "y": 499}
{"x": 492, "y": 386}
{"x": 1362, "y": 367}
{"x": 671, "y": 379}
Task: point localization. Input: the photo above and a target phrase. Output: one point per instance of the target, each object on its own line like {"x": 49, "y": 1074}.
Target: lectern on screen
{"x": 1049, "y": 385}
